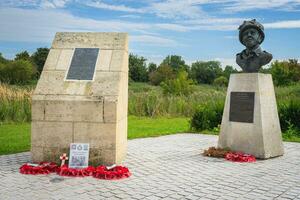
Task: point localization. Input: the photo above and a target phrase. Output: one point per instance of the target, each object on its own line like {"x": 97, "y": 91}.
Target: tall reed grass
{"x": 154, "y": 103}
{"x": 15, "y": 104}
{"x": 144, "y": 100}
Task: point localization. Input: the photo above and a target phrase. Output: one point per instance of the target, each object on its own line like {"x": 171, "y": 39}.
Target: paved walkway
{"x": 168, "y": 167}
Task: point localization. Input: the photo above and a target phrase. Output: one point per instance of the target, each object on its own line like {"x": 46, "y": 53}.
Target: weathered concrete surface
{"x": 168, "y": 167}
{"x": 95, "y": 112}
{"x": 262, "y": 138}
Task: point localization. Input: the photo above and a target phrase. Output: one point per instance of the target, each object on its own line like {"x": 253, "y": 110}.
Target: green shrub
{"x": 207, "y": 116}
{"x": 221, "y": 81}
{"x": 178, "y": 86}
{"x": 137, "y": 68}
{"x": 289, "y": 114}
{"x": 17, "y": 72}
{"x": 206, "y": 72}
{"x": 162, "y": 73}
{"x": 291, "y": 132}
{"x": 285, "y": 72}
{"x": 39, "y": 58}
{"x": 176, "y": 63}
{"x": 2, "y": 59}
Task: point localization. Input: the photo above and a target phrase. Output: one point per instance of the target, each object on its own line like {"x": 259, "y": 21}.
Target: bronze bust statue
{"x": 253, "y": 57}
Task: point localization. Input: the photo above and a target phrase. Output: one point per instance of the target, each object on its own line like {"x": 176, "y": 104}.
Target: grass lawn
{"x": 139, "y": 127}
{"x": 15, "y": 137}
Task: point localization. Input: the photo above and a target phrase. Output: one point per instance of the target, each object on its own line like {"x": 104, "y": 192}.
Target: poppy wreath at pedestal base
{"x": 229, "y": 155}
{"x": 239, "y": 157}
{"x": 40, "y": 168}
{"x": 100, "y": 172}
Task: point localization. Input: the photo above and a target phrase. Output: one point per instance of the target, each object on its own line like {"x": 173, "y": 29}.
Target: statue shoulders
{"x": 239, "y": 60}
{"x": 266, "y": 57}
{"x": 240, "y": 55}
{"x": 266, "y": 54}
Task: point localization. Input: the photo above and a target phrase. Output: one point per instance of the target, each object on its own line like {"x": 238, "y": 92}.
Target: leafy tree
{"x": 137, "y": 68}
{"x": 163, "y": 72}
{"x": 285, "y": 72}
{"x": 39, "y": 58}
{"x": 2, "y": 59}
{"x": 265, "y": 70}
{"x": 221, "y": 81}
{"x": 176, "y": 63}
{"x": 17, "y": 72}
{"x": 181, "y": 85}
{"x": 152, "y": 67}
{"x": 229, "y": 70}
{"x": 24, "y": 55}
{"x": 206, "y": 72}
{"x": 2, "y": 73}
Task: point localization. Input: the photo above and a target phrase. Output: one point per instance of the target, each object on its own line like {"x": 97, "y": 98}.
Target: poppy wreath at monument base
{"x": 100, "y": 172}
{"x": 229, "y": 155}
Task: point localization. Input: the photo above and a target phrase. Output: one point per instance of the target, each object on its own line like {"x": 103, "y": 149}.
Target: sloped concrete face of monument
{"x": 81, "y": 97}
{"x": 250, "y": 120}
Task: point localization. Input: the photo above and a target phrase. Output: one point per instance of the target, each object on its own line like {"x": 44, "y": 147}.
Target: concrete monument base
{"x": 82, "y": 97}
{"x": 261, "y": 134}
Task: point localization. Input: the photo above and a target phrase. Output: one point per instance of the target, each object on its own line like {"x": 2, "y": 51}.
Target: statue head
{"x": 251, "y": 33}
{"x": 253, "y": 57}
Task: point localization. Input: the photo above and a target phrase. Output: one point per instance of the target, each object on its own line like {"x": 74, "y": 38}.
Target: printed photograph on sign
{"x": 79, "y": 155}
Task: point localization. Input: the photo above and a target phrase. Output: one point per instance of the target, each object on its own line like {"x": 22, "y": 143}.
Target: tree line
{"x": 171, "y": 72}
{"x": 205, "y": 72}
{"x": 24, "y": 68}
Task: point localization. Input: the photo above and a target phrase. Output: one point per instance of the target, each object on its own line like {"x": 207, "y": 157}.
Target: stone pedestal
{"x": 86, "y": 106}
{"x": 260, "y": 134}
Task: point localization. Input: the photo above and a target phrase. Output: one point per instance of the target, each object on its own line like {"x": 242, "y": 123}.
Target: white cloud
{"x": 210, "y": 20}
{"x": 230, "y": 37}
{"x": 165, "y": 9}
{"x": 189, "y": 9}
{"x": 176, "y": 9}
{"x": 283, "y": 24}
{"x": 245, "y": 5}
{"x": 53, "y": 3}
{"x": 19, "y": 3}
{"x": 227, "y": 61}
{"x": 209, "y": 23}
{"x": 131, "y": 16}
{"x": 41, "y": 26}
{"x": 173, "y": 27}
{"x": 152, "y": 40}
{"x": 35, "y": 3}
{"x": 123, "y": 8}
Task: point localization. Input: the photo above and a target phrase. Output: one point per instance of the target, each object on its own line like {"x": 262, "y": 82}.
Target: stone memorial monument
{"x": 250, "y": 120}
{"x": 82, "y": 97}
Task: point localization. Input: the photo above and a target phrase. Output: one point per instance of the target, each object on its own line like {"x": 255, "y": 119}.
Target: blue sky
{"x": 195, "y": 29}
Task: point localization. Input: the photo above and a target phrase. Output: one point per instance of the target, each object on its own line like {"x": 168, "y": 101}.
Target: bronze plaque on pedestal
{"x": 83, "y": 64}
{"x": 241, "y": 107}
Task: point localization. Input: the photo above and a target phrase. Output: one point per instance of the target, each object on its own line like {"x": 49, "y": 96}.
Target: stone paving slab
{"x": 167, "y": 167}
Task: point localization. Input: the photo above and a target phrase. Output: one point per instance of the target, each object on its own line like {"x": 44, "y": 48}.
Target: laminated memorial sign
{"x": 79, "y": 155}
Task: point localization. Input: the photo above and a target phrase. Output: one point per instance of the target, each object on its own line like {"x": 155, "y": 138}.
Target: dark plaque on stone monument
{"x": 241, "y": 107}
{"x": 83, "y": 64}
